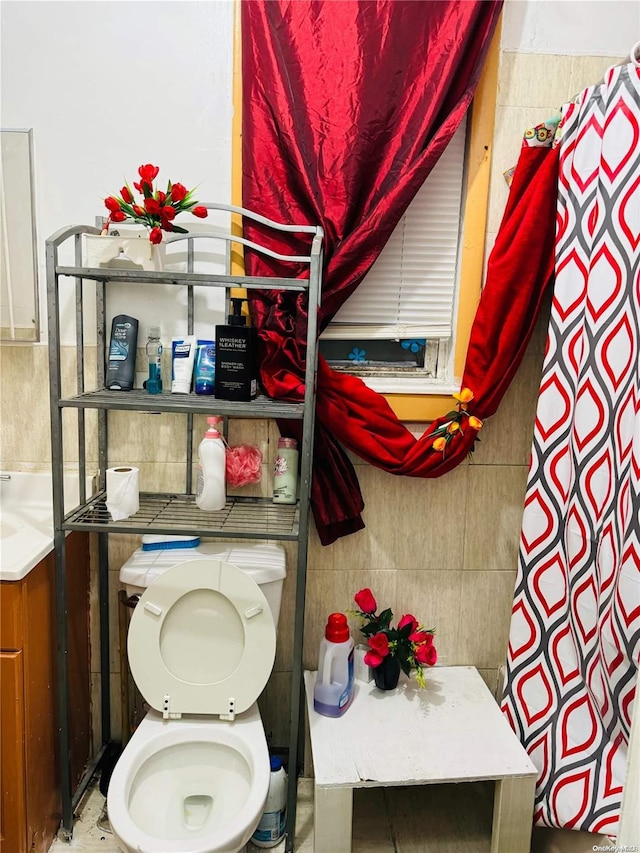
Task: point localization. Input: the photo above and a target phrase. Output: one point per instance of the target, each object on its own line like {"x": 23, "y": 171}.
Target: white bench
{"x": 452, "y": 731}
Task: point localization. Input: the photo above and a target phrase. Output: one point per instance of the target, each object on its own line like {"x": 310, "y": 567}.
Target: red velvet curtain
{"x": 346, "y": 108}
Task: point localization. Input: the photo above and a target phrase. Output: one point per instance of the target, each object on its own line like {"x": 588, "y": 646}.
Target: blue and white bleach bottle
{"x": 270, "y": 830}
{"x": 333, "y": 689}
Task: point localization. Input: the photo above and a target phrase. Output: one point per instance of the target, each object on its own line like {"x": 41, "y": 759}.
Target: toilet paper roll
{"x": 122, "y": 492}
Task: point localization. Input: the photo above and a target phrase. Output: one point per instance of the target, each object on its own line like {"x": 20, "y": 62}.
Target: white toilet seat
{"x": 202, "y": 640}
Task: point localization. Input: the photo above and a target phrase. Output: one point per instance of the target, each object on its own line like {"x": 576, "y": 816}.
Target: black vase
{"x": 387, "y": 674}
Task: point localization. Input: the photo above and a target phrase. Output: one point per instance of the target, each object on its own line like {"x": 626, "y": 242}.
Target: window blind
{"x": 409, "y": 291}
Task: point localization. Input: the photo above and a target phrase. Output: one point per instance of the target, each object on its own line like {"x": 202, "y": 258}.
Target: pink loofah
{"x": 244, "y": 465}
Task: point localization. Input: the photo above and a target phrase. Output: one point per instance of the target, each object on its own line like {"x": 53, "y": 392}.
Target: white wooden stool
{"x": 452, "y": 731}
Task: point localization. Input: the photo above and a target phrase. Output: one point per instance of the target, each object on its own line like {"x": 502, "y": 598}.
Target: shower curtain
{"x": 574, "y": 640}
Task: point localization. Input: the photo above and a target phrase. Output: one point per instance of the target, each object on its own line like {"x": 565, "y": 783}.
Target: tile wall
{"x": 444, "y": 549}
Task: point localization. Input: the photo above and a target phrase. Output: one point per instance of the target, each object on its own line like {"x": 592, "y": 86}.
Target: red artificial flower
{"x": 420, "y": 637}
{"x": 156, "y": 209}
{"x": 426, "y": 654}
{"x": 365, "y": 601}
{"x": 152, "y": 206}
{"x": 112, "y": 204}
{"x": 379, "y": 643}
{"x": 372, "y": 659}
{"x": 178, "y": 192}
{"x": 148, "y": 173}
{"x": 408, "y": 620}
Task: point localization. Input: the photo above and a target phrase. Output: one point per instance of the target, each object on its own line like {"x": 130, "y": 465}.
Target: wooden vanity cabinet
{"x": 30, "y": 803}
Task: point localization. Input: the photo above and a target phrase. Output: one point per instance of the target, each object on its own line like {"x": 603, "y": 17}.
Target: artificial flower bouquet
{"x": 453, "y": 425}
{"x": 157, "y": 209}
{"x": 410, "y": 642}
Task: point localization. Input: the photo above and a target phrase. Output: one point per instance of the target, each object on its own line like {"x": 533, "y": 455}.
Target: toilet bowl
{"x": 192, "y": 786}
{"x": 194, "y": 776}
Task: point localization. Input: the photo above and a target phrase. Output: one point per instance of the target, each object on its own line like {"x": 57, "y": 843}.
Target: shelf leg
{"x": 63, "y": 682}
{"x": 105, "y": 665}
{"x": 512, "y": 815}
{"x": 332, "y": 819}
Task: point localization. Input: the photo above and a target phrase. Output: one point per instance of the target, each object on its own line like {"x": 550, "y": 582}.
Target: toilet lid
{"x": 202, "y": 640}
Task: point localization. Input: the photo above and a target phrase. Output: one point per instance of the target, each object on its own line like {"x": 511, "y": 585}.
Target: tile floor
{"x": 385, "y": 820}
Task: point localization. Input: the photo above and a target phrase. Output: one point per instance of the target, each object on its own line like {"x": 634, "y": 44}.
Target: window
{"x": 430, "y": 403}
{"x": 398, "y": 325}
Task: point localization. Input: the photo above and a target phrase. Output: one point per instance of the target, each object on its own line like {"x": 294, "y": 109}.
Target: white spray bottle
{"x": 211, "y": 491}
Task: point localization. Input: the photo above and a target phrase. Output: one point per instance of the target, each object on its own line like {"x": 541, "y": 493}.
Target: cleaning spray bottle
{"x": 333, "y": 689}
{"x": 211, "y": 490}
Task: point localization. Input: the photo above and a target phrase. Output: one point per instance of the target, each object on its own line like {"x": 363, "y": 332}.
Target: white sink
{"x": 26, "y": 519}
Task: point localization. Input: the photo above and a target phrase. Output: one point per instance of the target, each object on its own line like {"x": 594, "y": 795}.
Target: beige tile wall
{"x": 444, "y": 549}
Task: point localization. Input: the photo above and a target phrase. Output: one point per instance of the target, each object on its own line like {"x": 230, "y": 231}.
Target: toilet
{"x": 194, "y": 776}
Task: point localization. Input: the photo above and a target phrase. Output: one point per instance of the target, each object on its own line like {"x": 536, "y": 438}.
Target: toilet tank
{"x": 265, "y": 565}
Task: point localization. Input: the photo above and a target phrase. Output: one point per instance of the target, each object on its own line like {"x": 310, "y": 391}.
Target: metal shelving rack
{"x": 242, "y": 517}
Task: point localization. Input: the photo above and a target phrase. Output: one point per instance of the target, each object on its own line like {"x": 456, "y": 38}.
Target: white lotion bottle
{"x": 211, "y": 493}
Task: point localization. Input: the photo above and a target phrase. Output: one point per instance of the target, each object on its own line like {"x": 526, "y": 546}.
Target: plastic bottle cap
{"x": 212, "y": 429}
{"x": 236, "y": 318}
{"x": 337, "y": 630}
{"x": 276, "y": 762}
{"x": 288, "y": 442}
{"x": 154, "y": 331}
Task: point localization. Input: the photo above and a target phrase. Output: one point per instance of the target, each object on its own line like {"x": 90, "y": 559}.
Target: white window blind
{"x": 409, "y": 291}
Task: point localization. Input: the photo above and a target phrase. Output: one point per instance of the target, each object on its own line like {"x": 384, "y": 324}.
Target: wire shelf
{"x": 141, "y": 401}
{"x": 251, "y": 518}
{"x": 166, "y": 277}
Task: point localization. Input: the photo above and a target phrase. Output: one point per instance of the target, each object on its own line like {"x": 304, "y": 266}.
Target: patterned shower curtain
{"x": 574, "y": 643}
